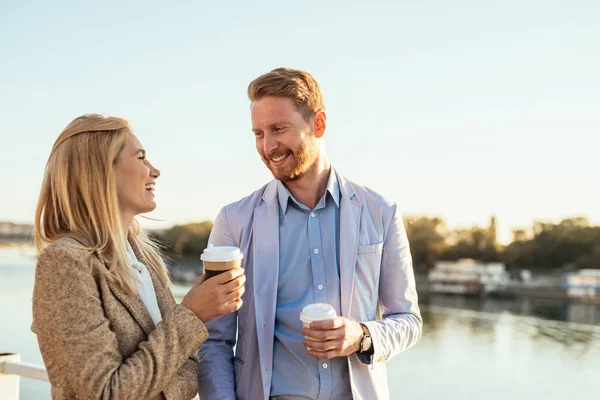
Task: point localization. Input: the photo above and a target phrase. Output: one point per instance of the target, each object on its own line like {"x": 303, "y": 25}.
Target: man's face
{"x": 285, "y": 141}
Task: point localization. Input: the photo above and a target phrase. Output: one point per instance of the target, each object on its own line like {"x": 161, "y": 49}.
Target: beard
{"x": 297, "y": 163}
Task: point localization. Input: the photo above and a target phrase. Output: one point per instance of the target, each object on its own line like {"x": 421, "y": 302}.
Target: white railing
{"x": 12, "y": 369}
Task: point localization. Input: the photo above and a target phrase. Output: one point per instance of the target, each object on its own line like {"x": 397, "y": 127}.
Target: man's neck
{"x": 309, "y": 188}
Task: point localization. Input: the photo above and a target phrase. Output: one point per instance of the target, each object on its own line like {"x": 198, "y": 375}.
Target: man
{"x": 309, "y": 236}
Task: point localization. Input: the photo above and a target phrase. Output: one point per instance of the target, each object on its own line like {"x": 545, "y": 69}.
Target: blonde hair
{"x": 294, "y": 84}
{"x": 79, "y": 199}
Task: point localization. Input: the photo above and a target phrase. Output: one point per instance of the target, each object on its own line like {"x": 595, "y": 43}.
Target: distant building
{"x": 493, "y": 230}
{"x": 10, "y": 230}
{"x": 520, "y": 235}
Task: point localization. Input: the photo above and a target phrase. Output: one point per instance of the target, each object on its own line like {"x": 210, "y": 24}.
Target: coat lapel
{"x": 164, "y": 297}
{"x": 136, "y": 307}
{"x": 133, "y": 302}
{"x": 265, "y": 264}
{"x": 350, "y": 213}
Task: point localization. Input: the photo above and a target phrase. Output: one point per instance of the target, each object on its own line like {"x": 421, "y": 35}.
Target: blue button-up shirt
{"x": 309, "y": 272}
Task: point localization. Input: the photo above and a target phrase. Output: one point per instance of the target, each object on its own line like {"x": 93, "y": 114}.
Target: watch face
{"x": 366, "y": 344}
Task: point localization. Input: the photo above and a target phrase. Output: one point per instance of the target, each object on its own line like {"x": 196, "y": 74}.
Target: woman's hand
{"x": 221, "y": 294}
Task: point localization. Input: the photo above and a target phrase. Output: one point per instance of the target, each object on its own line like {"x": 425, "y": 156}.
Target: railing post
{"x": 9, "y": 383}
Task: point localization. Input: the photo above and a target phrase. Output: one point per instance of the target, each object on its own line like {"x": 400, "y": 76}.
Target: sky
{"x": 461, "y": 109}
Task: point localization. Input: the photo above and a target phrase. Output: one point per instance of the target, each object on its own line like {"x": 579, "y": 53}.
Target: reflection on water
{"x": 471, "y": 348}
{"x": 558, "y": 310}
{"x": 475, "y": 354}
{"x": 563, "y": 332}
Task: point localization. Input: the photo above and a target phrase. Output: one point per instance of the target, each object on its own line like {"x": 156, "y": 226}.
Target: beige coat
{"x": 98, "y": 342}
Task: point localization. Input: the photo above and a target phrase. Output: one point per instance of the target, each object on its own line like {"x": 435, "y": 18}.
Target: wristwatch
{"x": 366, "y": 344}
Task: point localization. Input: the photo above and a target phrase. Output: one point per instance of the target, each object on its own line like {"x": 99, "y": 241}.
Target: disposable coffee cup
{"x": 316, "y": 312}
{"x": 219, "y": 259}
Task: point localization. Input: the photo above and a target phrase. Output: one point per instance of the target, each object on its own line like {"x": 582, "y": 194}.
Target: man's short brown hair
{"x": 297, "y": 85}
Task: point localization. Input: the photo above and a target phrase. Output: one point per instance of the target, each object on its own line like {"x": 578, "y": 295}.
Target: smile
{"x": 150, "y": 187}
{"x": 280, "y": 158}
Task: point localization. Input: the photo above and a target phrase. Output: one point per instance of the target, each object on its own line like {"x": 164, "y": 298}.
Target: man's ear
{"x": 320, "y": 123}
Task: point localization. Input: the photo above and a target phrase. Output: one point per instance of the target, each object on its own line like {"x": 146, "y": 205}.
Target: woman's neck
{"x": 126, "y": 220}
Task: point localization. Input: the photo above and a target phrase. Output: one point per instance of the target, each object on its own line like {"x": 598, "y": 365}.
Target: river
{"x": 471, "y": 348}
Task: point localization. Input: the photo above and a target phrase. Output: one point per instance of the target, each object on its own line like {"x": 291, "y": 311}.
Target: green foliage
{"x": 572, "y": 242}
{"x": 185, "y": 241}
{"x": 426, "y": 237}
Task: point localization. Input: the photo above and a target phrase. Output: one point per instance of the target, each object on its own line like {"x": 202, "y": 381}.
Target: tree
{"x": 185, "y": 241}
{"x": 571, "y": 242}
{"x": 426, "y": 238}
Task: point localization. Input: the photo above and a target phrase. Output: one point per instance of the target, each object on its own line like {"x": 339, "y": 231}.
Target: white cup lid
{"x": 221, "y": 253}
{"x": 317, "y": 312}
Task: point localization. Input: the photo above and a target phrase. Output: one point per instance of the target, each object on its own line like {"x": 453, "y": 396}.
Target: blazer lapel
{"x": 136, "y": 307}
{"x": 134, "y": 303}
{"x": 164, "y": 297}
{"x": 265, "y": 269}
{"x": 350, "y": 213}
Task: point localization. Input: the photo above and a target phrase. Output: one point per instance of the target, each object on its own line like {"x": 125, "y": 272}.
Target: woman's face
{"x": 135, "y": 178}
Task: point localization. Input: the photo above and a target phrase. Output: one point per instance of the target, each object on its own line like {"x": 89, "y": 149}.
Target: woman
{"x": 106, "y": 321}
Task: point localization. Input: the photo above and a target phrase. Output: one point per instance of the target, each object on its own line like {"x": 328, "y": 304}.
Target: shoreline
{"x": 547, "y": 292}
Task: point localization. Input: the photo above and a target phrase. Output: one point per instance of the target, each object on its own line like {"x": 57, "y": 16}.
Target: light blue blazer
{"x": 376, "y": 278}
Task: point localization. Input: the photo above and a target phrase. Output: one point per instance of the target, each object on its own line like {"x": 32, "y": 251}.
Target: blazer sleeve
{"x": 401, "y": 325}
{"x": 75, "y": 335}
{"x": 216, "y": 376}
{"x": 185, "y": 383}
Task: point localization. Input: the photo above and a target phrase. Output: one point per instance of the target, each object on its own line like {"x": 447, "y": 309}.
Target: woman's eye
{"x": 142, "y": 157}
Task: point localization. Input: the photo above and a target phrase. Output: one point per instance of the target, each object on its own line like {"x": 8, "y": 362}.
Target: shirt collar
{"x": 333, "y": 188}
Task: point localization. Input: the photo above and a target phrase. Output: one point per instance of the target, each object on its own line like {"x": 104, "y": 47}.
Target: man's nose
{"x": 270, "y": 144}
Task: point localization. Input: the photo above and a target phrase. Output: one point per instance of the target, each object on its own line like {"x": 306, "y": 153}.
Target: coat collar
{"x": 345, "y": 187}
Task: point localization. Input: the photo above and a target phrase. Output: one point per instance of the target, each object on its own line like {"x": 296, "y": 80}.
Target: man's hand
{"x": 330, "y": 338}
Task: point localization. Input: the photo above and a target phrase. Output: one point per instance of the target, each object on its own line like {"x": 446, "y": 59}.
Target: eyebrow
{"x": 141, "y": 151}
{"x": 273, "y": 125}
{"x": 282, "y": 122}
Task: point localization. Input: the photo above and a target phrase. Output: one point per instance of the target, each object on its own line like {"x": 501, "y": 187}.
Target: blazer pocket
{"x": 371, "y": 248}
{"x": 238, "y": 361}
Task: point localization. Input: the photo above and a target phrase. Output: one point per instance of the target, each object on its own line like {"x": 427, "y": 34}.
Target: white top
{"x": 144, "y": 286}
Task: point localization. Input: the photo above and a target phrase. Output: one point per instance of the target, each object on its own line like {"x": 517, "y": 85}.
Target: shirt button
{"x": 325, "y": 365}
{"x": 316, "y": 251}
{"x": 320, "y": 287}
{"x": 312, "y": 214}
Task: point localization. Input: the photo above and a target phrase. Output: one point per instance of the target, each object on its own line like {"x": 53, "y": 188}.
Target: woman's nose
{"x": 154, "y": 172}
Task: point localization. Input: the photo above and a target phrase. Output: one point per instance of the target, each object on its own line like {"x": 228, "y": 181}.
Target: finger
{"x": 234, "y": 306}
{"x": 322, "y": 335}
{"x": 200, "y": 280}
{"x": 324, "y": 354}
{"x": 235, "y": 284}
{"x": 227, "y": 276}
{"x": 328, "y": 324}
{"x": 323, "y": 346}
{"x": 234, "y": 295}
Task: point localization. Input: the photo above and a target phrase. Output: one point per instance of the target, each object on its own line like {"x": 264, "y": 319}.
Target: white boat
{"x": 467, "y": 276}
{"x": 585, "y": 283}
